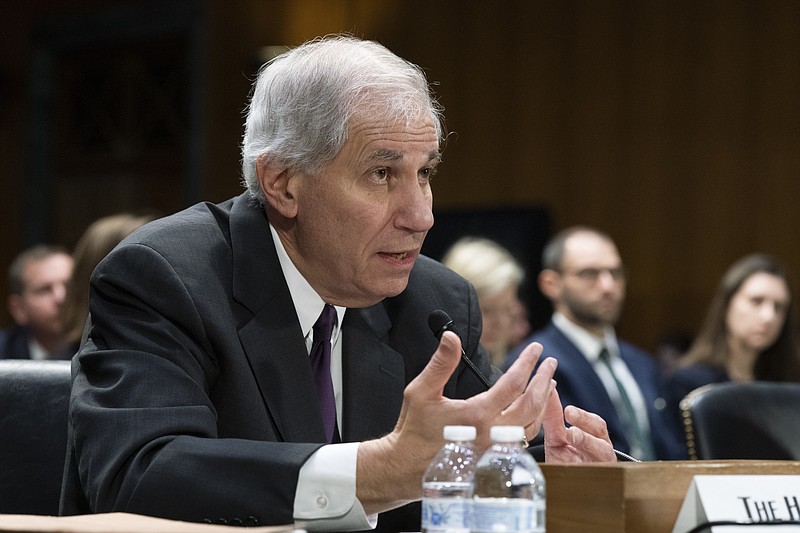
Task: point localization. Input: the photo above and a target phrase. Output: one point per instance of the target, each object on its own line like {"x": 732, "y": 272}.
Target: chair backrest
{"x": 759, "y": 420}
{"x": 34, "y": 401}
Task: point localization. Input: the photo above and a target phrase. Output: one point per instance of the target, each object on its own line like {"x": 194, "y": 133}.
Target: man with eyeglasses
{"x": 584, "y": 278}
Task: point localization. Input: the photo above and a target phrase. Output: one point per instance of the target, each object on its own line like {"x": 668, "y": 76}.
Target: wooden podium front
{"x": 633, "y": 497}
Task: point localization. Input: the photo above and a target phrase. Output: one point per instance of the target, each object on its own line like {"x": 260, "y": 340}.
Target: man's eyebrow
{"x": 434, "y": 156}
{"x": 386, "y": 155}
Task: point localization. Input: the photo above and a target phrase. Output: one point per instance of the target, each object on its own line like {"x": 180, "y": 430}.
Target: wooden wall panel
{"x": 673, "y": 125}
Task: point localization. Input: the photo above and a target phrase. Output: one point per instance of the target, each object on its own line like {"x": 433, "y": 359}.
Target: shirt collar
{"x": 307, "y": 303}
{"x": 36, "y": 350}
{"x": 587, "y": 343}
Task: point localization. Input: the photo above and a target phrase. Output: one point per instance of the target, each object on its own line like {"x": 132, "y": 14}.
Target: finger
{"x": 589, "y": 435}
{"x": 516, "y": 379}
{"x": 587, "y": 422}
{"x": 590, "y": 448}
{"x": 432, "y": 379}
{"x": 555, "y": 431}
{"x": 530, "y": 406}
{"x": 541, "y": 389}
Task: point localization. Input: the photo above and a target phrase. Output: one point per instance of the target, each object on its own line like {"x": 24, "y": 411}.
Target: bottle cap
{"x": 507, "y": 433}
{"x": 459, "y": 433}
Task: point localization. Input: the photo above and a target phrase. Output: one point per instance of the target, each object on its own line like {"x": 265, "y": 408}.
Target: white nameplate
{"x": 725, "y": 498}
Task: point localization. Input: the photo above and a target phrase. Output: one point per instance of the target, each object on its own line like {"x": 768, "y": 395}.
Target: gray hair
{"x": 303, "y": 100}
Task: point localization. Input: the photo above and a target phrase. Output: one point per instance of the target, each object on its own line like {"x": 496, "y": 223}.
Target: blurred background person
{"x": 95, "y": 243}
{"x": 37, "y": 280}
{"x": 670, "y": 349}
{"x": 750, "y": 331}
{"x": 497, "y": 276}
{"x": 520, "y": 326}
{"x": 584, "y": 278}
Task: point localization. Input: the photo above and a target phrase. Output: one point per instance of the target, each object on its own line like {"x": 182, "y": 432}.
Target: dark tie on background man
{"x": 321, "y": 366}
{"x": 633, "y": 428}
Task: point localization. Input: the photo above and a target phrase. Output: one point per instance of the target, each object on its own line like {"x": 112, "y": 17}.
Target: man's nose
{"x": 415, "y": 212}
{"x": 606, "y": 279}
{"x": 60, "y": 292}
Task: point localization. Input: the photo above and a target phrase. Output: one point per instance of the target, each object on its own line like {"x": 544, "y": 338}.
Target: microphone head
{"x": 439, "y": 322}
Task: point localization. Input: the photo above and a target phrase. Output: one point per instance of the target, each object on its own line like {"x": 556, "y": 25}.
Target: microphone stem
{"x": 478, "y": 373}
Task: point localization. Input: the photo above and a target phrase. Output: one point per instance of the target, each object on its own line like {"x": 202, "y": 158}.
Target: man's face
{"x": 38, "y": 307}
{"x": 591, "y": 282}
{"x": 361, "y": 222}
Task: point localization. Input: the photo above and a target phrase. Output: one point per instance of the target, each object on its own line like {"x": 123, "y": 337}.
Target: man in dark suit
{"x": 37, "y": 286}
{"x": 584, "y": 277}
{"x": 195, "y": 395}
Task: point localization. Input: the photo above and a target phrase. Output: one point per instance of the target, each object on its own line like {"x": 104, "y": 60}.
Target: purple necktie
{"x": 321, "y": 366}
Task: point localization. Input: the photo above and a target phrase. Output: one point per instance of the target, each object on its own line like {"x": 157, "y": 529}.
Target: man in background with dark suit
{"x": 232, "y": 346}
{"x": 37, "y": 286}
{"x": 585, "y": 279}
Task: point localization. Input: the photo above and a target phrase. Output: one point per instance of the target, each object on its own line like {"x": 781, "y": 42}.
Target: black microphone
{"x": 439, "y": 322}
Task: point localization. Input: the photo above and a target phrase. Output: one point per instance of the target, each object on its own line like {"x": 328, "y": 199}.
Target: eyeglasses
{"x": 591, "y": 275}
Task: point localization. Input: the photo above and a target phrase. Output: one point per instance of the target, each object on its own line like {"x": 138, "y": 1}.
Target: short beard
{"x": 587, "y": 317}
{"x": 583, "y": 314}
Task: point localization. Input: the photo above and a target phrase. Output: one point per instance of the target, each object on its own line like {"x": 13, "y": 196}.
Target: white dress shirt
{"x": 326, "y": 486}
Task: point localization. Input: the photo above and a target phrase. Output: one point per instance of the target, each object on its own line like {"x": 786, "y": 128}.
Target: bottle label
{"x": 509, "y": 515}
{"x": 445, "y": 515}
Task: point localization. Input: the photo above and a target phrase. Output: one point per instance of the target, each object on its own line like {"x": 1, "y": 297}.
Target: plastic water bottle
{"x": 509, "y": 493}
{"x": 447, "y": 484}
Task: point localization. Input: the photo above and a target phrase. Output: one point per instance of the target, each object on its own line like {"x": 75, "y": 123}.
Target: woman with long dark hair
{"x": 750, "y": 332}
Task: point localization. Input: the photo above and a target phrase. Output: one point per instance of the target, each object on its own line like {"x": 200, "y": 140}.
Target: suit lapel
{"x": 277, "y": 355}
{"x": 373, "y": 375}
{"x": 270, "y": 334}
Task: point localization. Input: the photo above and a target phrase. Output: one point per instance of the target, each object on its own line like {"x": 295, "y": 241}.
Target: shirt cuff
{"x": 325, "y": 498}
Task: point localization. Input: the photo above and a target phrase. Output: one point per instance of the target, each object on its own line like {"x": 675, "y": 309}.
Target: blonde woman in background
{"x": 95, "y": 243}
{"x": 496, "y": 276}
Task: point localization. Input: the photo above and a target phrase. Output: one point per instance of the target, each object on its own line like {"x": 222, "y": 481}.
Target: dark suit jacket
{"x": 14, "y": 344}
{"x": 686, "y": 379}
{"x": 193, "y": 396}
{"x": 579, "y": 385}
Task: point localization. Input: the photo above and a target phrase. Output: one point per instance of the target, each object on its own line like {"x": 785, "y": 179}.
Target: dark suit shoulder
{"x": 684, "y": 380}
{"x": 633, "y": 350}
{"x": 198, "y": 221}
{"x": 196, "y": 243}
{"x": 549, "y": 337}
{"x": 14, "y": 343}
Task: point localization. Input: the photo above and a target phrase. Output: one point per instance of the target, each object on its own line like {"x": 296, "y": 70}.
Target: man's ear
{"x": 17, "y": 310}
{"x": 550, "y": 283}
{"x": 275, "y": 184}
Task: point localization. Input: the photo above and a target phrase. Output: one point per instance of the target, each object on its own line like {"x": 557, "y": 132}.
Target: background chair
{"x": 34, "y": 399}
{"x": 759, "y": 420}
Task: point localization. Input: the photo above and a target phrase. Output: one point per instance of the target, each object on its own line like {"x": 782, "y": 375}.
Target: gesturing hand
{"x": 586, "y": 441}
{"x": 389, "y": 469}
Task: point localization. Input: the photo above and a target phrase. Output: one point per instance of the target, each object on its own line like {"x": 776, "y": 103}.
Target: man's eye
{"x": 427, "y": 174}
